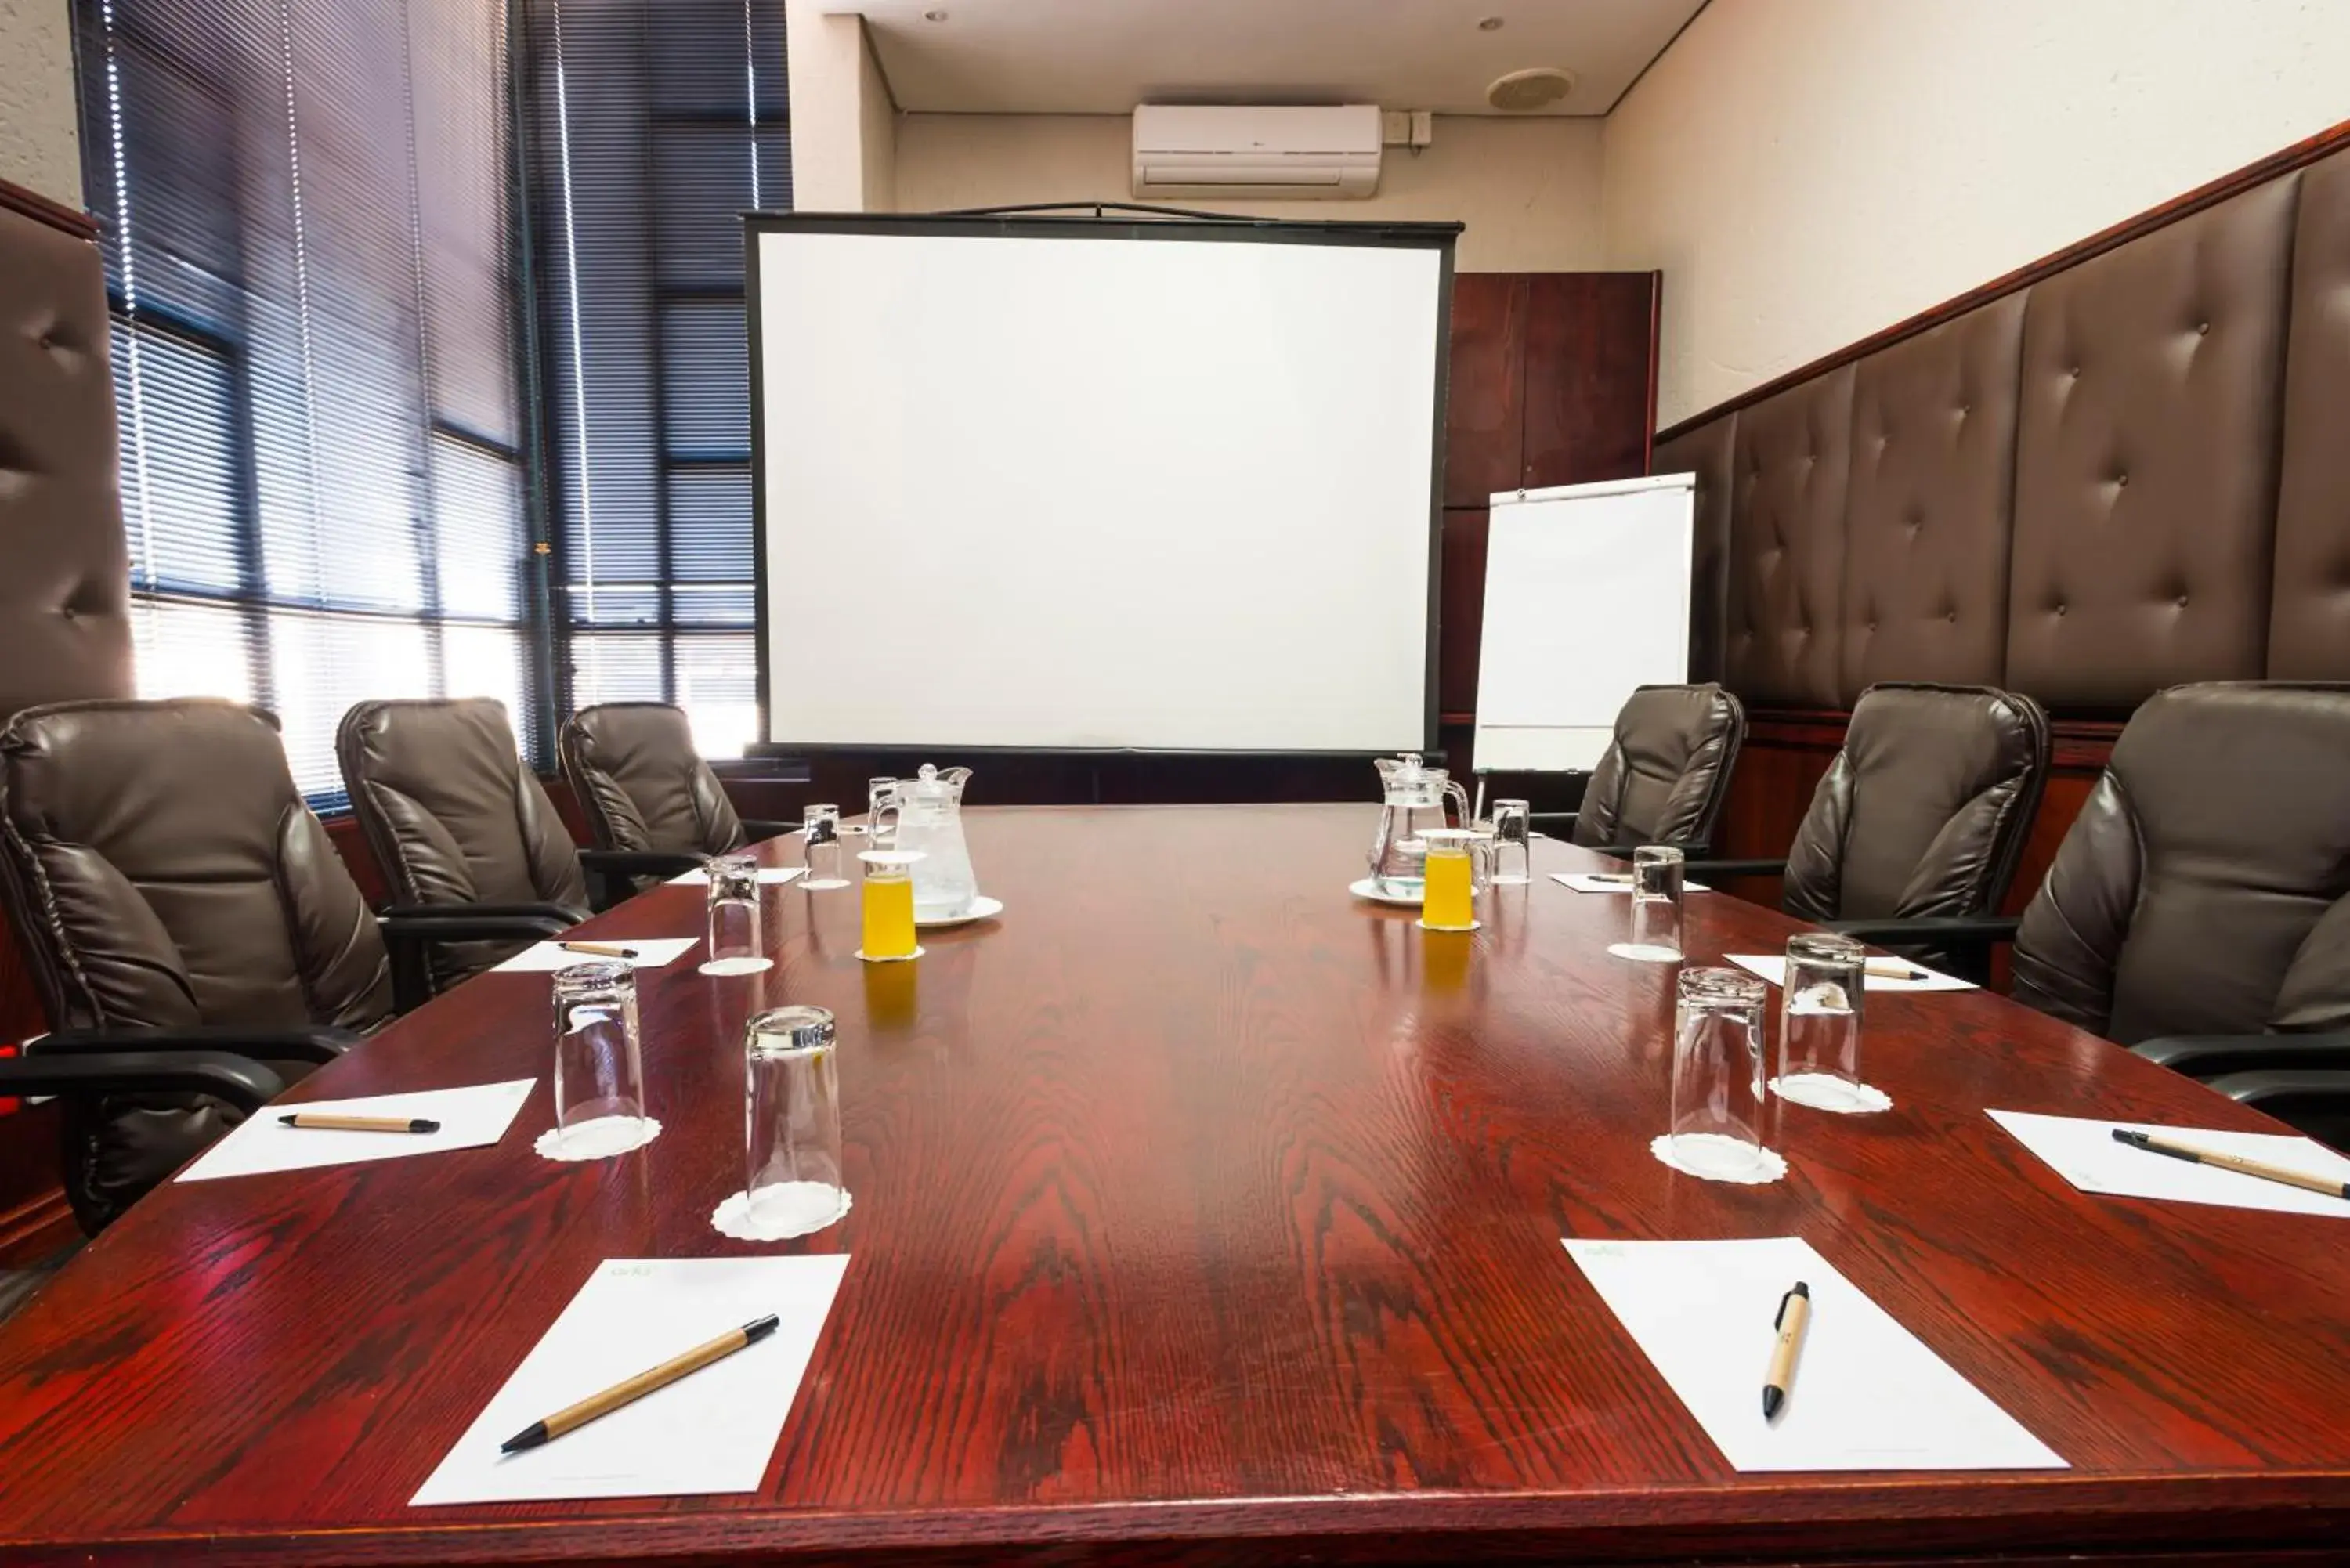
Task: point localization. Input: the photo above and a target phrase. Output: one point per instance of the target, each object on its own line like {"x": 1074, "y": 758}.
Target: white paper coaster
{"x": 1687, "y": 1154}
{"x": 1826, "y": 1092}
{"x": 790, "y": 1209}
{"x": 599, "y": 1140}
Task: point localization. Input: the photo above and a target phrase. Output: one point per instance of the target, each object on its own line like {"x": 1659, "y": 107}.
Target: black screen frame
{"x": 1167, "y": 224}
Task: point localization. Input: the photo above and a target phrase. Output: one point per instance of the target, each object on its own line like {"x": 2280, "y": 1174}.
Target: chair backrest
{"x": 642, "y": 785}
{"x": 1667, "y": 770}
{"x": 2205, "y": 886}
{"x": 454, "y": 817}
{"x": 162, "y": 871}
{"x": 1926, "y": 808}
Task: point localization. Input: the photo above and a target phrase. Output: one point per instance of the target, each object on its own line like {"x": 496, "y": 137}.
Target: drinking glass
{"x": 1717, "y": 1127}
{"x": 1513, "y": 850}
{"x": 820, "y": 845}
{"x": 1819, "y": 1021}
{"x": 889, "y": 926}
{"x": 791, "y": 1122}
{"x": 600, "y": 1073}
{"x": 734, "y": 945}
{"x": 1656, "y": 935}
{"x": 880, "y": 801}
{"x": 1449, "y": 898}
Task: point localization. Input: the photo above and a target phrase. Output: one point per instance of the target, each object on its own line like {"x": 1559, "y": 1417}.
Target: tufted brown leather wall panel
{"x": 2147, "y": 459}
{"x": 1928, "y": 509}
{"x": 2309, "y": 619}
{"x": 65, "y": 594}
{"x": 1785, "y": 574}
{"x": 1705, "y": 451}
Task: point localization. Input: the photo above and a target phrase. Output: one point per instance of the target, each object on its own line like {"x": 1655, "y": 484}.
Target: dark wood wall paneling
{"x": 1552, "y": 381}
{"x": 1788, "y": 750}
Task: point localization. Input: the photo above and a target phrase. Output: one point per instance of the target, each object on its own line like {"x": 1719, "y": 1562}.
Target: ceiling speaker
{"x": 1522, "y": 91}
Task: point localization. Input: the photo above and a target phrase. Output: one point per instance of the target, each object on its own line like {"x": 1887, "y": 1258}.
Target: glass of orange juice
{"x": 1450, "y": 902}
{"x": 888, "y": 933}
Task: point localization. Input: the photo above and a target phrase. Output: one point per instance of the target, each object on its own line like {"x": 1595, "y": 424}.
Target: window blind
{"x": 306, "y": 231}
{"x": 655, "y": 124}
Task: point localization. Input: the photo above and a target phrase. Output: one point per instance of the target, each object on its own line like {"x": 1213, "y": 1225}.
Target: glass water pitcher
{"x": 930, "y": 824}
{"x": 1412, "y": 802}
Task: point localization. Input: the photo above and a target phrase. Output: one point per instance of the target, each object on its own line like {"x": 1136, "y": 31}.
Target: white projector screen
{"x": 1069, "y": 485}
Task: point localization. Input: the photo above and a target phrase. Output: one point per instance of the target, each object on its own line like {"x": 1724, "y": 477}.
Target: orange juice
{"x": 888, "y": 916}
{"x": 1448, "y": 905}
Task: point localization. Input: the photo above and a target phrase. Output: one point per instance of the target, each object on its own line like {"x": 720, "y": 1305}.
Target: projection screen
{"x": 1067, "y": 483}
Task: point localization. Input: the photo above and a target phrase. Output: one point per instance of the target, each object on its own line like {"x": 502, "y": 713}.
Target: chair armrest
{"x": 422, "y": 912}
{"x": 758, "y": 828}
{"x": 1710, "y": 869}
{"x": 1945, "y": 931}
{"x": 408, "y": 931}
{"x": 239, "y": 1080}
{"x": 1564, "y": 818}
{"x": 2309, "y": 1100}
{"x": 315, "y": 1042}
{"x": 641, "y": 862}
{"x": 2210, "y": 1056}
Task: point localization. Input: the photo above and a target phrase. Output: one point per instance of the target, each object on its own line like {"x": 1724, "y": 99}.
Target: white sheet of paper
{"x": 1585, "y": 882}
{"x": 652, "y": 952}
{"x": 769, "y": 877}
{"x": 1772, "y": 966}
{"x": 1867, "y": 1394}
{"x": 710, "y": 1431}
{"x": 469, "y": 1118}
{"x": 2082, "y": 1151}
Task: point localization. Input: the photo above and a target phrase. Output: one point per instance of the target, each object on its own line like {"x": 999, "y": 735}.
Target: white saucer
{"x": 982, "y": 908}
{"x": 1369, "y": 889}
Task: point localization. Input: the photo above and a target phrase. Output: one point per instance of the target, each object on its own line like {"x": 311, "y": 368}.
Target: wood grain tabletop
{"x": 1202, "y": 1213}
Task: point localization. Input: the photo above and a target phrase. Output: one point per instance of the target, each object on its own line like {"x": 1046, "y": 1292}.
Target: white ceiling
{"x": 1103, "y": 56}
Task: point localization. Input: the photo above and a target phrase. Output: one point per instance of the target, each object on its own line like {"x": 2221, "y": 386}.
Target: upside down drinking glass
{"x": 1656, "y": 934}
{"x": 599, "y": 1074}
{"x": 820, "y": 847}
{"x": 734, "y": 945}
{"x": 1717, "y": 1125}
{"x": 1820, "y": 1009}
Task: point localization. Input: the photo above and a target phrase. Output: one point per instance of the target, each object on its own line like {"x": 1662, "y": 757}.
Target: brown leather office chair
{"x": 2199, "y": 908}
{"x": 1917, "y": 824}
{"x": 1665, "y": 774}
{"x": 461, "y": 829}
{"x": 196, "y": 940}
{"x": 643, "y": 787}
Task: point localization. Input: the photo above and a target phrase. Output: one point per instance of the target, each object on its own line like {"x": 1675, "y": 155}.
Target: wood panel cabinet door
{"x": 1589, "y": 386}
{"x": 1463, "y": 608}
{"x": 1484, "y": 417}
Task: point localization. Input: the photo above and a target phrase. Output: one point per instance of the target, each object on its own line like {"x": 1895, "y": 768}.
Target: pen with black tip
{"x": 331, "y": 1121}
{"x": 573, "y": 1417}
{"x": 2331, "y": 1186}
{"x": 1794, "y": 1316}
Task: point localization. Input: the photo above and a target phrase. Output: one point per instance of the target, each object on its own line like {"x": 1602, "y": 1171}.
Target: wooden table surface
{"x": 1200, "y": 1212}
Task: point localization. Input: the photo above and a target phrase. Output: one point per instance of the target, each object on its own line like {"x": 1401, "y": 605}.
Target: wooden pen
{"x": 328, "y": 1121}
{"x": 1794, "y": 1316}
{"x": 572, "y": 1417}
{"x": 2333, "y": 1187}
{"x": 597, "y": 949}
{"x": 1892, "y": 969}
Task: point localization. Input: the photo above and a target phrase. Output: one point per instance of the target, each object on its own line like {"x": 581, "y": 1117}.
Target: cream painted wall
{"x": 40, "y": 141}
{"x": 1807, "y": 171}
{"x": 1528, "y": 190}
{"x": 843, "y": 123}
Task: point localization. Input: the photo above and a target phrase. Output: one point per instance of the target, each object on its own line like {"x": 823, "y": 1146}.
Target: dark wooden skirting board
{"x": 1202, "y": 1215}
{"x": 2285, "y": 160}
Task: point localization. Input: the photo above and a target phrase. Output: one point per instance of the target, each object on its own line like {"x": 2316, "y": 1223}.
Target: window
{"x": 657, "y": 122}
{"x": 307, "y": 238}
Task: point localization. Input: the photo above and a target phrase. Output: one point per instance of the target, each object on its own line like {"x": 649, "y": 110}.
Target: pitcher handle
{"x": 1459, "y": 795}
{"x": 888, "y": 808}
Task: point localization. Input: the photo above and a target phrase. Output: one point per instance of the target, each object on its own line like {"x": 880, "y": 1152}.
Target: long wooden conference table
{"x": 1204, "y": 1214}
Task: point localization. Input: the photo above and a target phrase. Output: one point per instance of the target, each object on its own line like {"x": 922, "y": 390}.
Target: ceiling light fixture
{"x": 934, "y": 16}
{"x": 1489, "y": 25}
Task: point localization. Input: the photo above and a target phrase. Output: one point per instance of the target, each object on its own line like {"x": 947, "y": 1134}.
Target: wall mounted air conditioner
{"x": 1293, "y": 154}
